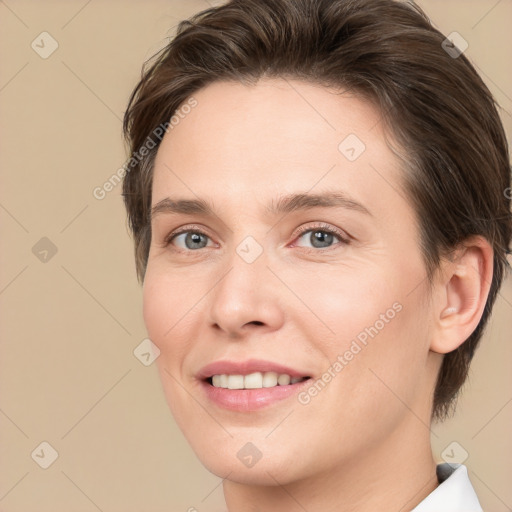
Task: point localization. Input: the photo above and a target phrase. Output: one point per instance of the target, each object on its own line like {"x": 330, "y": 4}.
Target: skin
{"x": 362, "y": 443}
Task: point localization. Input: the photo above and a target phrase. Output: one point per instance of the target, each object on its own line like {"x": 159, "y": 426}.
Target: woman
{"x": 321, "y": 234}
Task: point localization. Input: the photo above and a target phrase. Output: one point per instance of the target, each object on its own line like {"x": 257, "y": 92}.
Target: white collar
{"x": 454, "y": 493}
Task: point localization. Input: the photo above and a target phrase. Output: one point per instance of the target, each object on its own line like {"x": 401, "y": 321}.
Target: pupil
{"x": 323, "y": 238}
{"x": 195, "y": 238}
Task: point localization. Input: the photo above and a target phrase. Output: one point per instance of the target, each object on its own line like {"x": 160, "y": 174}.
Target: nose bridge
{"x": 244, "y": 293}
{"x": 246, "y": 273}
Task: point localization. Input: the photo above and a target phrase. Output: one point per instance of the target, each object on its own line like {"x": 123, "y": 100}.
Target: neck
{"x": 396, "y": 476}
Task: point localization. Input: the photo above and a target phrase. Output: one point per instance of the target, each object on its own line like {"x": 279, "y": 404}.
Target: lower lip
{"x": 245, "y": 400}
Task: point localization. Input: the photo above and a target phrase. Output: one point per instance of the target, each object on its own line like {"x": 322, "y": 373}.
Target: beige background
{"x": 69, "y": 326}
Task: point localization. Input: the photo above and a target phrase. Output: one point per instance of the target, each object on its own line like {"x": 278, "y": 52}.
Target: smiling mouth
{"x": 255, "y": 380}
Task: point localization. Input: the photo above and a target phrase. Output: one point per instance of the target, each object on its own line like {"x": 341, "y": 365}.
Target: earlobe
{"x": 462, "y": 293}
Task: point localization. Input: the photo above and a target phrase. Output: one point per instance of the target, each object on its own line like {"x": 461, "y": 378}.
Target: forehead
{"x": 278, "y": 136}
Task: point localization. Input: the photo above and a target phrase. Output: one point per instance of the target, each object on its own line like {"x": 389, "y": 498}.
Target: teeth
{"x": 256, "y": 380}
{"x": 269, "y": 379}
{"x": 284, "y": 380}
{"x": 235, "y": 382}
{"x": 253, "y": 381}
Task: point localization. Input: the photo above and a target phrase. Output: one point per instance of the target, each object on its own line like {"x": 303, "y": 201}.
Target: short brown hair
{"x": 434, "y": 103}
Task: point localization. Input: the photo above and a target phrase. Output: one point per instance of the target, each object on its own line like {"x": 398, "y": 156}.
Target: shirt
{"x": 454, "y": 493}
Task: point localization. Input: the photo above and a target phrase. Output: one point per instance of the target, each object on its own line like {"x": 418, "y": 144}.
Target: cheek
{"x": 344, "y": 302}
{"x": 155, "y": 304}
{"x": 165, "y": 303}
{"x": 172, "y": 316}
{"x": 387, "y": 362}
{"x": 374, "y": 323}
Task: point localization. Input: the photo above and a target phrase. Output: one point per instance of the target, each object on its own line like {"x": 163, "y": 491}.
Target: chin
{"x": 265, "y": 473}
{"x": 257, "y": 463}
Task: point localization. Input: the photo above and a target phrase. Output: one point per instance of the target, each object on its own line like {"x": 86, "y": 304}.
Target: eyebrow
{"x": 283, "y": 205}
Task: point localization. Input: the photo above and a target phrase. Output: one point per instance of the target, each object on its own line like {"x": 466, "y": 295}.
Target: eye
{"x": 192, "y": 239}
{"x": 322, "y": 236}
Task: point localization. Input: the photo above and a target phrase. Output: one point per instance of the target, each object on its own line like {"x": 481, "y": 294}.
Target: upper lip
{"x": 246, "y": 367}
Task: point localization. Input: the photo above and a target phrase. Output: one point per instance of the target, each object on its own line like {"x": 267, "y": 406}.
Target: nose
{"x": 246, "y": 297}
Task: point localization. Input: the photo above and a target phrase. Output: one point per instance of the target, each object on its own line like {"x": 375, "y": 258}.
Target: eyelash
{"x": 325, "y": 228}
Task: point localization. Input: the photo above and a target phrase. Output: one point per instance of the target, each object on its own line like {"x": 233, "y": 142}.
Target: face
{"x": 330, "y": 290}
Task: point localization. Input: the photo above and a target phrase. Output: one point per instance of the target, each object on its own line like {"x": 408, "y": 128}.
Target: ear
{"x": 461, "y": 292}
